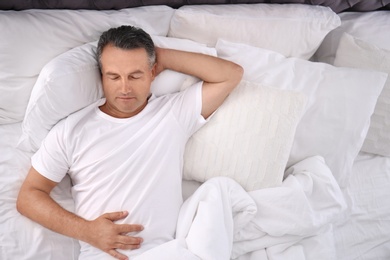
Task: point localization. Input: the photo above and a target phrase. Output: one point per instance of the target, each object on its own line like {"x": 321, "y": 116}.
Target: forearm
{"x": 34, "y": 202}
{"x": 208, "y": 68}
{"x": 41, "y": 208}
{"x": 220, "y": 76}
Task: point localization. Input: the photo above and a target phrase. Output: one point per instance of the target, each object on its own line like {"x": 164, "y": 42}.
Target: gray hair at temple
{"x": 127, "y": 37}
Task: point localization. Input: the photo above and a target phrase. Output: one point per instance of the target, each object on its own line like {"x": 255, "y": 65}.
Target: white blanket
{"x": 294, "y": 221}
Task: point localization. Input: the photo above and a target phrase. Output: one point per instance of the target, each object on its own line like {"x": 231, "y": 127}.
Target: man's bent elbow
{"x": 23, "y": 202}
{"x": 19, "y": 206}
{"x": 20, "y": 203}
{"x": 237, "y": 73}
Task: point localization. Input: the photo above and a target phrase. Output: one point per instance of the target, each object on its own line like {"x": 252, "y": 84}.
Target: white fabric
{"x": 31, "y": 38}
{"x": 65, "y": 85}
{"x": 288, "y": 222}
{"x": 72, "y": 81}
{"x": 365, "y": 232}
{"x": 291, "y": 218}
{"x": 169, "y": 81}
{"x": 294, "y": 30}
{"x": 355, "y": 53}
{"x": 248, "y": 139}
{"x": 20, "y": 237}
{"x": 368, "y": 211}
{"x": 28, "y": 36}
{"x": 340, "y": 103}
{"x": 367, "y": 26}
{"x": 208, "y": 221}
{"x": 105, "y": 158}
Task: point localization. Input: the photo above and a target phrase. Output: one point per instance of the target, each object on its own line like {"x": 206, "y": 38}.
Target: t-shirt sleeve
{"x": 187, "y": 107}
{"x": 51, "y": 160}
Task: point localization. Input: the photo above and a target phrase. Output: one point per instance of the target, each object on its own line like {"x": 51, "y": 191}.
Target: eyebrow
{"x": 110, "y": 73}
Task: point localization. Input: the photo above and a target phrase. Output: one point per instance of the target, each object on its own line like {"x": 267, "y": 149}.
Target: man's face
{"x": 126, "y": 78}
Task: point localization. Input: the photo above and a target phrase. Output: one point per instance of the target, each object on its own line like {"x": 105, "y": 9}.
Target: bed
{"x": 294, "y": 165}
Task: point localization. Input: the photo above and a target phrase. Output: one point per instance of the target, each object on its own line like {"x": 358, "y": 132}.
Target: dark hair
{"x": 126, "y": 37}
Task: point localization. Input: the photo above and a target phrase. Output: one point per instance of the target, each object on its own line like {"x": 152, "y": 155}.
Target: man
{"x": 124, "y": 153}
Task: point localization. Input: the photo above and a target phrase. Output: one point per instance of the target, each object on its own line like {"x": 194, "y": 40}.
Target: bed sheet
{"x": 20, "y": 238}
{"x": 364, "y": 230}
{"x": 361, "y": 233}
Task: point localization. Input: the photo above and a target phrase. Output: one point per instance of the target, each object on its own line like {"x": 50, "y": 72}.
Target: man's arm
{"x": 34, "y": 202}
{"x": 220, "y": 76}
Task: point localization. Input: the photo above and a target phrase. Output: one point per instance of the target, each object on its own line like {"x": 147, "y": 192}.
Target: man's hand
{"x": 34, "y": 202}
{"x": 104, "y": 234}
{"x": 159, "y": 65}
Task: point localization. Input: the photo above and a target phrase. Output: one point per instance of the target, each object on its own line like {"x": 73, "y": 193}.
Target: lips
{"x": 125, "y": 98}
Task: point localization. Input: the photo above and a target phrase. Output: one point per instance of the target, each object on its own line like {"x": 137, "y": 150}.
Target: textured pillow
{"x": 340, "y": 102}
{"x": 31, "y": 38}
{"x": 248, "y": 139}
{"x": 371, "y": 27}
{"x": 355, "y": 53}
{"x": 72, "y": 81}
{"x": 292, "y": 29}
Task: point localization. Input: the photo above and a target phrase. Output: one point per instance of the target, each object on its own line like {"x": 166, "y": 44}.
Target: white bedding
{"x": 287, "y": 221}
{"x": 20, "y": 238}
{"x": 299, "y": 220}
{"x": 363, "y": 232}
{"x": 293, "y": 221}
{"x": 305, "y": 216}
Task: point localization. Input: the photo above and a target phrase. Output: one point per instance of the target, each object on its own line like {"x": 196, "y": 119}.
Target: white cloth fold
{"x": 207, "y": 222}
{"x": 304, "y": 207}
{"x": 222, "y": 221}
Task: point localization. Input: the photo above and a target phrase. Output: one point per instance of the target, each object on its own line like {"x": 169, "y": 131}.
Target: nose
{"x": 126, "y": 87}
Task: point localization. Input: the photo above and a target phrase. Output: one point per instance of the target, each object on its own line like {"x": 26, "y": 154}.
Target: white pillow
{"x": 371, "y": 27}
{"x": 340, "y": 102}
{"x": 292, "y": 29}
{"x": 171, "y": 81}
{"x": 72, "y": 81}
{"x": 31, "y": 38}
{"x": 249, "y": 138}
{"x": 355, "y": 53}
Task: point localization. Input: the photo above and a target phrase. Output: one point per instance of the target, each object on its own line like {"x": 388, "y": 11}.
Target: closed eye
{"x": 114, "y": 78}
{"x": 135, "y": 76}
{"x": 112, "y": 75}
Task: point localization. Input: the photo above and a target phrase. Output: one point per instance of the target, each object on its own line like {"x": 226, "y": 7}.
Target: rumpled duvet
{"x": 294, "y": 221}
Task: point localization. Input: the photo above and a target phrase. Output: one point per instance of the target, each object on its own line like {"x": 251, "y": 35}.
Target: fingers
{"x": 123, "y": 228}
{"x": 114, "y": 216}
{"x": 127, "y": 228}
{"x": 125, "y": 242}
{"x": 110, "y": 236}
{"x": 117, "y": 255}
{"x": 128, "y": 241}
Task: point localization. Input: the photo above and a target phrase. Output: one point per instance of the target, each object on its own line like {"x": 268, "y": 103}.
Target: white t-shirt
{"x": 132, "y": 164}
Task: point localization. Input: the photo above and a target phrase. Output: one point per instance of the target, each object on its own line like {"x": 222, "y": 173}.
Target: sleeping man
{"x": 124, "y": 153}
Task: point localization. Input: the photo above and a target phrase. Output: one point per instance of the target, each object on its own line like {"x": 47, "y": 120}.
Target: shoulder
{"x": 77, "y": 117}
{"x": 189, "y": 92}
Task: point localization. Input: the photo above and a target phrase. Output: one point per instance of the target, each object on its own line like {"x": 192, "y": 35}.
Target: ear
{"x": 154, "y": 71}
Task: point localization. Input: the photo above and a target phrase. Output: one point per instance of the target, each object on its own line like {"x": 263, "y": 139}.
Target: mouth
{"x": 125, "y": 98}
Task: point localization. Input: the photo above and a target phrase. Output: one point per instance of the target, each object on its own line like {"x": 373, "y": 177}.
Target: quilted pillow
{"x": 340, "y": 103}
{"x": 294, "y": 30}
{"x": 72, "y": 81}
{"x": 355, "y": 53}
{"x": 249, "y": 138}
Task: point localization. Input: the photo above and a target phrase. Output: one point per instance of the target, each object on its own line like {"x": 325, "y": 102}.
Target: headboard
{"x": 336, "y": 5}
